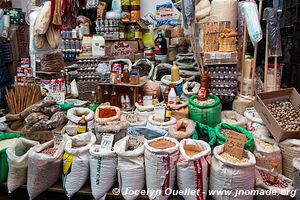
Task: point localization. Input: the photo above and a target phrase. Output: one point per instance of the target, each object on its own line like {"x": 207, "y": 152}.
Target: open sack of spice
{"x": 184, "y": 128}
{"x": 159, "y": 153}
{"x": 268, "y": 180}
{"x": 44, "y": 166}
{"x": 103, "y": 170}
{"x": 17, "y": 158}
{"x": 230, "y": 173}
{"x": 76, "y": 162}
{"x": 74, "y": 115}
{"x": 152, "y": 123}
{"x": 193, "y": 167}
{"x": 233, "y": 118}
{"x": 131, "y": 169}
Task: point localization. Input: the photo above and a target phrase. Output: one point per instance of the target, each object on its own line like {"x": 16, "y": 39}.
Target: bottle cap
{"x": 274, "y": 165}
{"x": 83, "y": 116}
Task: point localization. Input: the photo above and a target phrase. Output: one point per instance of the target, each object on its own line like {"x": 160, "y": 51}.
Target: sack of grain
{"x": 75, "y": 114}
{"x": 290, "y": 149}
{"x": 160, "y": 71}
{"x": 233, "y": 118}
{"x": 229, "y": 173}
{"x": 283, "y": 190}
{"x": 205, "y": 133}
{"x": 162, "y": 125}
{"x": 141, "y": 108}
{"x": 103, "y": 171}
{"x": 184, "y": 128}
{"x": 105, "y": 114}
{"x": 17, "y": 157}
{"x": 190, "y": 89}
{"x": 255, "y": 124}
{"x": 241, "y": 103}
{"x": 296, "y": 177}
{"x": 131, "y": 170}
{"x": 76, "y": 162}
{"x": 161, "y": 155}
{"x": 44, "y": 167}
{"x": 193, "y": 167}
{"x": 149, "y": 133}
{"x": 266, "y": 152}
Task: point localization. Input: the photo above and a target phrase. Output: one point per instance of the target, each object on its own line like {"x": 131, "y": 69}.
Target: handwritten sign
{"x": 135, "y": 141}
{"x": 107, "y": 141}
{"x": 235, "y": 143}
{"x": 159, "y": 113}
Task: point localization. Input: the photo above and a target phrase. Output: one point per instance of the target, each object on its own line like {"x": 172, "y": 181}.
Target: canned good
{"x": 135, "y": 15}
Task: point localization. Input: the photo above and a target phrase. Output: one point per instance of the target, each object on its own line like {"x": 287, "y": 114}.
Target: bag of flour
{"x": 161, "y": 155}
{"x": 103, "y": 167}
{"x": 17, "y": 157}
{"x": 193, "y": 167}
{"x": 44, "y": 167}
{"x": 76, "y": 162}
{"x": 131, "y": 170}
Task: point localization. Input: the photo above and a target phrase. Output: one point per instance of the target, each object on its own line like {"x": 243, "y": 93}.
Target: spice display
{"x": 162, "y": 144}
{"x": 49, "y": 151}
{"x": 107, "y": 113}
{"x": 192, "y": 150}
{"x": 233, "y": 159}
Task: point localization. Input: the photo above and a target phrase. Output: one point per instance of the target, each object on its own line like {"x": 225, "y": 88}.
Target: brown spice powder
{"x": 162, "y": 144}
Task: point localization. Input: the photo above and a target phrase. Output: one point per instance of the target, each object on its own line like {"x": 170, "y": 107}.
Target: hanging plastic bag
{"x": 74, "y": 89}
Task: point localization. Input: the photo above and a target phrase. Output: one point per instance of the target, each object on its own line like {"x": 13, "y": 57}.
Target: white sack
{"x": 255, "y": 124}
{"x": 17, "y": 158}
{"x": 233, "y": 118}
{"x": 75, "y": 114}
{"x": 145, "y": 115}
{"x": 296, "y": 177}
{"x": 76, "y": 162}
{"x": 163, "y": 125}
{"x": 160, "y": 168}
{"x": 103, "y": 171}
{"x": 193, "y": 172}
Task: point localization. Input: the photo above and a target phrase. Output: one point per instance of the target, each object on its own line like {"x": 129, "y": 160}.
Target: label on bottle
{"x": 172, "y": 100}
{"x": 154, "y": 101}
{"x": 169, "y": 113}
{"x": 157, "y": 48}
{"x": 202, "y": 94}
{"x": 68, "y": 89}
{"x": 81, "y": 129}
{"x": 147, "y": 100}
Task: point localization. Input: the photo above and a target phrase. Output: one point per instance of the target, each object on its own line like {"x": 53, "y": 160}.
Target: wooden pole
{"x": 243, "y": 56}
{"x": 266, "y": 60}
{"x": 275, "y": 71}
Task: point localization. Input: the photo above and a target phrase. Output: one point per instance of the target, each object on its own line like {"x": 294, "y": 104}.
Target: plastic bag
{"x": 17, "y": 157}
{"x": 74, "y": 89}
{"x": 149, "y": 133}
{"x": 205, "y": 133}
{"x": 43, "y": 19}
{"x": 188, "y": 127}
{"x": 202, "y": 9}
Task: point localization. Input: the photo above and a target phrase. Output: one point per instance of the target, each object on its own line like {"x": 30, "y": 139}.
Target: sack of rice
{"x": 131, "y": 170}
{"x": 255, "y": 125}
{"x": 184, "y": 128}
{"x": 103, "y": 171}
{"x": 75, "y": 114}
{"x": 231, "y": 173}
{"x": 266, "y": 152}
{"x": 233, "y": 118}
{"x": 290, "y": 149}
{"x": 163, "y": 125}
{"x": 193, "y": 167}
{"x": 76, "y": 162}
{"x": 148, "y": 133}
{"x": 143, "y": 108}
{"x": 161, "y": 155}
{"x": 282, "y": 190}
{"x": 296, "y": 177}
{"x": 17, "y": 157}
{"x": 6, "y": 140}
{"x": 205, "y": 133}
{"x": 44, "y": 167}
{"x": 105, "y": 114}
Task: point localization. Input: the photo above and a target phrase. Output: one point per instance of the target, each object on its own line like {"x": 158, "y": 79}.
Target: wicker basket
{"x": 288, "y": 154}
{"x": 227, "y": 44}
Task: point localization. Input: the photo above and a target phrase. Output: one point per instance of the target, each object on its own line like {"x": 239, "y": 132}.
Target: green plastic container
{"x": 205, "y": 133}
{"x": 209, "y": 114}
{"x": 3, "y": 155}
{"x": 222, "y": 138}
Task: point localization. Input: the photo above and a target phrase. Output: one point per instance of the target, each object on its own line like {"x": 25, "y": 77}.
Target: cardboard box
{"x": 271, "y": 123}
{"x": 121, "y": 49}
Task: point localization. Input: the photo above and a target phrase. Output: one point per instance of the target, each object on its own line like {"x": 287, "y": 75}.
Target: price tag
{"x": 57, "y": 137}
{"x": 159, "y": 113}
{"x": 131, "y": 117}
{"x": 147, "y": 100}
{"x": 107, "y": 141}
{"x": 235, "y": 143}
{"x": 135, "y": 141}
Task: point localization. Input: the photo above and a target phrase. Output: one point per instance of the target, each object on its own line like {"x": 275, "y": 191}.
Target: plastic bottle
{"x": 203, "y": 92}
{"x": 127, "y": 101}
{"x": 126, "y": 74}
{"x": 154, "y": 98}
{"x": 98, "y": 46}
{"x": 172, "y": 97}
{"x": 166, "y": 95}
{"x": 168, "y": 114}
{"x": 175, "y": 73}
{"x": 82, "y": 125}
{"x": 273, "y": 174}
{"x": 140, "y": 100}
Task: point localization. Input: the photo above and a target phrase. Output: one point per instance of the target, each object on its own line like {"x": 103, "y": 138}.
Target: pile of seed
{"x": 50, "y": 151}
{"x": 202, "y": 103}
{"x": 233, "y": 159}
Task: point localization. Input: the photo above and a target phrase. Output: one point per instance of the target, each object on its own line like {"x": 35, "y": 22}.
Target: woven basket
{"x": 227, "y": 44}
{"x": 288, "y": 154}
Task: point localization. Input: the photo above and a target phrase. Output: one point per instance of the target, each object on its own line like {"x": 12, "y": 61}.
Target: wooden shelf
{"x": 141, "y": 84}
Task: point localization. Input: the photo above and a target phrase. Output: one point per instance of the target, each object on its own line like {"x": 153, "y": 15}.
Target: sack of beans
{"x": 231, "y": 173}
{"x": 296, "y": 176}
{"x": 290, "y": 149}
{"x": 161, "y": 155}
{"x": 282, "y": 190}
{"x": 233, "y": 118}
{"x": 163, "y": 125}
{"x": 206, "y": 112}
{"x": 255, "y": 124}
{"x": 105, "y": 114}
{"x": 44, "y": 167}
{"x": 6, "y": 140}
{"x": 266, "y": 152}
{"x": 76, "y": 162}
{"x": 131, "y": 169}
{"x": 17, "y": 158}
{"x": 205, "y": 133}
{"x": 75, "y": 114}
{"x": 103, "y": 170}
{"x": 193, "y": 167}
{"x": 132, "y": 119}
{"x": 223, "y": 129}
{"x": 241, "y": 103}
{"x": 184, "y": 128}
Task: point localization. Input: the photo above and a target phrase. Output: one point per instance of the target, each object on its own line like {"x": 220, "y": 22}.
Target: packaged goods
{"x": 107, "y": 114}
{"x": 75, "y": 114}
{"x": 209, "y": 114}
{"x": 163, "y": 125}
{"x": 193, "y": 170}
{"x": 205, "y": 133}
{"x": 149, "y": 133}
{"x": 290, "y": 149}
{"x": 44, "y": 170}
{"x": 221, "y": 137}
{"x": 131, "y": 169}
{"x": 98, "y": 46}
{"x": 17, "y": 157}
{"x": 184, "y": 128}
{"x": 229, "y": 175}
{"x": 76, "y": 162}
{"x": 161, "y": 155}
{"x": 233, "y": 118}
{"x": 266, "y": 152}
{"x": 103, "y": 171}
{"x": 43, "y": 19}
{"x": 255, "y": 124}
{"x": 296, "y": 177}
